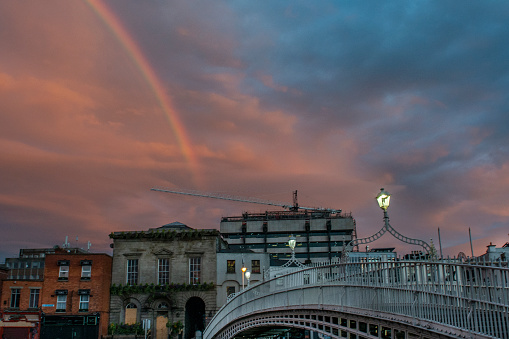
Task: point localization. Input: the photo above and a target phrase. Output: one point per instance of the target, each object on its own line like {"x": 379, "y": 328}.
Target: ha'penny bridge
{"x": 382, "y": 299}
{"x": 365, "y": 297}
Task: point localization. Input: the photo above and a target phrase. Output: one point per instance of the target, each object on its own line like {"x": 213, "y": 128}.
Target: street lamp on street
{"x": 243, "y": 269}
{"x": 248, "y": 275}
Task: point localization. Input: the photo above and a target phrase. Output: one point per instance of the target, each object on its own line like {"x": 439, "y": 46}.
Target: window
{"x": 164, "y": 271}
{"x": 132, "y": 271}
{"x": 230, "y": 290}
{"x": 230, "y": 266}
{"x": 86, "y": 272}
{"x": 34, "y": 298}
{"x": 61, "y": 303}
{"x": 255, "y": 266}
{"x": 84, "y": 299}
{"x": 63, "y": 273}
{"x": 194, "y": 270}
{"x": 15, "y": 296}
{"x": 131, "y": 314}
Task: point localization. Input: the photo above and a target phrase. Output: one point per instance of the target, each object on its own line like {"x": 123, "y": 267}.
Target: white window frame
{"x": 194, "y": 270}
{"x": 84, "y": 301}
{"x": 61, "y": 302}
{"x": 63, "y": 272}
{"x": 132, "y": 272}
{"x": 163, "y": 271}
{"x": 86, "y": 271}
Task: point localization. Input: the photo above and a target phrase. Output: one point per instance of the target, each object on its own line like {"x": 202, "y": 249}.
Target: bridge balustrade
{"x": 471, "y": 298}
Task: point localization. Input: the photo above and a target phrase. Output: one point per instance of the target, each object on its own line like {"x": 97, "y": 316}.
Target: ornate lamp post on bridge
{"x": 383, "y": 198}
{"x": 292, "y": 242}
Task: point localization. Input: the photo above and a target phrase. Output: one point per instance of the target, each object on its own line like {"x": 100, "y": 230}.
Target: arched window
{"x": 131, "y": 313}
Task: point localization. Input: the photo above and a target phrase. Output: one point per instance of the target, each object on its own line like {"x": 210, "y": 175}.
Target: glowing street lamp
{"x": 243, "y": 269}
{"x": 383, "y": 198}
{"x": 292, "y": 242}
{"x": 248, "y": 275}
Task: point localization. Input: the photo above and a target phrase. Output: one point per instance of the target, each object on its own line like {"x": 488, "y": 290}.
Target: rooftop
{"x": 288, "y": 215}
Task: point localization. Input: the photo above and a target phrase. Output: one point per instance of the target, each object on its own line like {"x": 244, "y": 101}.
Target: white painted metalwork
{"x": 387, "y": 228}
{"x": 446, "y": 296}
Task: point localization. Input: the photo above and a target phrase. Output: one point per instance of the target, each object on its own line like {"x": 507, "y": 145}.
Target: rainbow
{"x": 132, "y": 49}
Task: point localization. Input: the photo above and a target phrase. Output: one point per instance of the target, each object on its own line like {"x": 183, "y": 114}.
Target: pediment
{"x": 162, "y": 252}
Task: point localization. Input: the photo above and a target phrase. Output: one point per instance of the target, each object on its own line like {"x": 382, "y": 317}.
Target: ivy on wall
{"x": 152, "y": 288}
{"x": 164, "y": 234}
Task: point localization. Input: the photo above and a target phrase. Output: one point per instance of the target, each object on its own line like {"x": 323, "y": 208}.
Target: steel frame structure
{"x": 446, "y": 298}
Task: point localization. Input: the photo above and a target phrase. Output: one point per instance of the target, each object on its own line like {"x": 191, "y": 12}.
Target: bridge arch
{"x": 328, "y": 323}
{"x": 417, "y": 298}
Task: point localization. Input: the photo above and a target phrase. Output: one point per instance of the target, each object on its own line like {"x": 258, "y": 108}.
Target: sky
{"x": 102, "y": 100}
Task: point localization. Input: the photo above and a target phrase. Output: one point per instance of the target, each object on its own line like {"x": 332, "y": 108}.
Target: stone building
{"x": 167, "y": 276}
{"x": 494, "y": 253}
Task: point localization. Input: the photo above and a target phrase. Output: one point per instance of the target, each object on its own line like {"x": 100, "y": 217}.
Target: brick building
{"x": 4, "y": 272}
{"x": 20, "y": 305}
{"x": 165, "y": 275}
{"x": 76, "y": 295}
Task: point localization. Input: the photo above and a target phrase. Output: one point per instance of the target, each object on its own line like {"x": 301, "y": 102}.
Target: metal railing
{"x": 471, "y": 297}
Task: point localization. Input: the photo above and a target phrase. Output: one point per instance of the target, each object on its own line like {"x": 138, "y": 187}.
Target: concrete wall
{"x": 225, "y": 279}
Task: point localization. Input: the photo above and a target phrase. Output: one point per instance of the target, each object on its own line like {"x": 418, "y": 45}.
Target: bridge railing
{"x": 471, "y": 297}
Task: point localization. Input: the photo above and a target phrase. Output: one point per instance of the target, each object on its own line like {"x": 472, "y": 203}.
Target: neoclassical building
{"x": 167, "y": 276}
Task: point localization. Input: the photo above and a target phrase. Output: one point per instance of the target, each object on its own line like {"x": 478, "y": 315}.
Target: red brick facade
{"x": 83, "y": 283}
{"x": 24, "y": 287}
{"x": 4, "y": 272}
{"x": 19, "y": 318}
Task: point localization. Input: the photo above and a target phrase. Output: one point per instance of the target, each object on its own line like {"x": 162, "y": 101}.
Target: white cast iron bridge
{"x": 394, "y": 299}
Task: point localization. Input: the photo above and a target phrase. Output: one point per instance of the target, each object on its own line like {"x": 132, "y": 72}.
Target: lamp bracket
{"x": 387, "y": 228}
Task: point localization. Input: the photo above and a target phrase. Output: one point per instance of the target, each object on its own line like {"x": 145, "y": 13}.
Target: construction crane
{"x": 295, "y": 207}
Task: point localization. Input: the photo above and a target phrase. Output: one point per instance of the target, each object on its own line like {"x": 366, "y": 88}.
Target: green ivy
{"x": 164, "y": 234}
{"x": 152, "y": 288}
{"x": 125, "y": 329}
{"x": 175, "y": 328}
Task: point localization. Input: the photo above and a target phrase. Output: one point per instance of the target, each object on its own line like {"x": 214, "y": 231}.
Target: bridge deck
{"x": 440, "y": 298}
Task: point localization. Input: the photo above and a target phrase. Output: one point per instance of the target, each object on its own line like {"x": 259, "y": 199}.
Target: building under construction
{"x": 321, "y": 234}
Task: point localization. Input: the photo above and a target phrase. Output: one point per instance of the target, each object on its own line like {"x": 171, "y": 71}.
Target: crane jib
{"x": 293, "y": 207}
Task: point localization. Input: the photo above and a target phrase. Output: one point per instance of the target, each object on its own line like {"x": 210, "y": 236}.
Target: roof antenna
{"x": 295, "y": 202}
